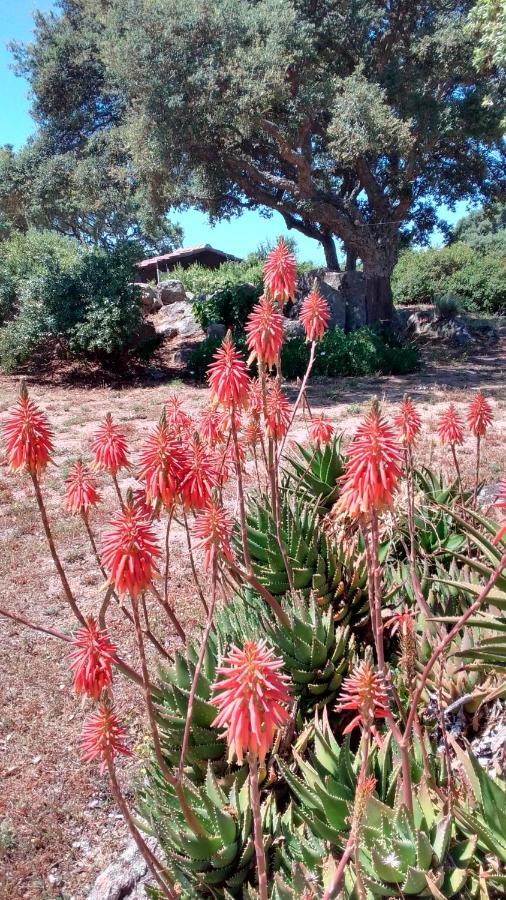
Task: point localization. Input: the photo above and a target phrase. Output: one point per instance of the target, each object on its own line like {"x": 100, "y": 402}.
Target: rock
{"x": 149, "y": 298}
{"x": 171, "y": 292}
{"x": 125, "y": 878}
{"x": 429, "y": 325}
{"x": 344, "y": 292}
{"x": 216, "y": 330}
{"x": 489, "y": 494}
{"x": 177, "y": 320}
{"x": 145, "y": 333}
{"x": 293, "y": 328}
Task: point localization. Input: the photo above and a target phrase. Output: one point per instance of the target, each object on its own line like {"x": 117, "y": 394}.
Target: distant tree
{"x": 483, "y": 229}
{"x": 76, "y": 174}
{"x": 355, "y": 119}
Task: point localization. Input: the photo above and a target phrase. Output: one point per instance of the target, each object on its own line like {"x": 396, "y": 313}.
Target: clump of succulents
{"x": 292, "y": 750}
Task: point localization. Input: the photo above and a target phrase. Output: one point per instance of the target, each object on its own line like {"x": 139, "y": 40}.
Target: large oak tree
{"x": 355, "y": 119}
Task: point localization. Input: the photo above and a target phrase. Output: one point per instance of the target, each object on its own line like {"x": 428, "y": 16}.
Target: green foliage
{"x": 267, "y": 111}
{"x": 475, "y": 280}
{"x": 313, "y": 473}
{"x": 361, "y": 352}
{"x": 85, "y": 302}
{"x": 200, "y": 280}
{"x": 483, "y": 229}
{"x": 229, "y": 306}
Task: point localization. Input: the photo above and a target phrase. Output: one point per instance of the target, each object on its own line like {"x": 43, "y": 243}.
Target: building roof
{"x": 184, "y": 253}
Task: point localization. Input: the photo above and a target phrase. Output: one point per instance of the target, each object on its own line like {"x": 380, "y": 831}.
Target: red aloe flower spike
{"x": 213, "y": 530}
{"x": 321, "y": 432}
{"x": 252, "y": 432}
{"x": 372, "y": 468}
{"x": 103, "y": 736}
{"x": 179, "y": 421}
{"x": 264, "y": 330}
{"x": 255, "y": 400}
{"x": 28, "y": 437}
{"x": 363, "y": 692}
{"x": 200, "y": 476}
{"x": 277, "y": 412}
{"x": 280, "y": 273}
{"x": 479, "y": 415}
{"x": 210, "y": 430}
{"x": 227, "y": 375}
{"x": 91, "y": 660}
{"x": 408, "y": 422}
{"x": 142, "y": 506}
{"x": 80, "y": 490}
{"x": 315, "y": 316}
{"x": 450, "y": 427}
{"x": 109, "y": 447}
{"x": 130, "y": 551}
{"x": 160, "y": 466}
{"x": 251, "y": 697}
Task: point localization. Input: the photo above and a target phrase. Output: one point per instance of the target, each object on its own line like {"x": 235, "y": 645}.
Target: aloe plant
{"x": 314, "y": 473}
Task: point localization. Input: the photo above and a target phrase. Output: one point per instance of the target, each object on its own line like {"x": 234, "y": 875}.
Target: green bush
{"x": 229, "y": 306}
{"x": 87, "y": 305}
{"x": 362, "y": 352}
{"x": 476, "y": 280}
{"x": 32, "y": 255}
{"x": 200, "y": 280}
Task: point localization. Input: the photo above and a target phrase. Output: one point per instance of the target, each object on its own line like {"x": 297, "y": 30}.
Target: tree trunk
{"x": 351, "y": 261}
{"x": 378, "y": 298}
{"x": 329, "y": 248}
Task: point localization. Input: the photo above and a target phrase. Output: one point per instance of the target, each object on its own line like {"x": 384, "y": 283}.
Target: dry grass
{"x": 58, "y": 825}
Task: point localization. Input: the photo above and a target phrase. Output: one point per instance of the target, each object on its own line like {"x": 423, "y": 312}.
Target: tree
{"x": 355, "y": 119}
{"x": 483, "y": 229}
{"x": 75, "y": 175}
{"x": 487, "y": 21}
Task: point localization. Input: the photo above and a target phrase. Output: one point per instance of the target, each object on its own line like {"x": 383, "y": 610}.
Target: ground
{"x": 58, "y": 824}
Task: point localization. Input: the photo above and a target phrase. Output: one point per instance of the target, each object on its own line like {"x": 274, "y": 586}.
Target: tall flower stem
{"x": 477, "y": 473}
{"x": 22, "y": 621}
{"x": 257, "y": 826}
{"x": 196, "y": 674}
{"x": 118, "y": 492}
{"x": 192, "y": 563}
{"x": 52, "y": 549}
{"x": 154, "y": 866}
{"x": 170, "y": 612}
{"x": 300, "y": 395}
{"x": 240, "y": 494}
{"x": 457, "y": 469}
{"x": 169, "y": 777}
{"x": 167, "y": 558}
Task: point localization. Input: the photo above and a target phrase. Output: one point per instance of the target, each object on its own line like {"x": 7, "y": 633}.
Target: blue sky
{"x": 239, "y": 236}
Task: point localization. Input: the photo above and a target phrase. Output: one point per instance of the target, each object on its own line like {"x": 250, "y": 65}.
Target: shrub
{"x": 229, "y": 306}
{"x": 362, "y": 352}
{"x": 32, "y": 255}
{"x": 477, "y": 281}
{"x": 86, "y": 303}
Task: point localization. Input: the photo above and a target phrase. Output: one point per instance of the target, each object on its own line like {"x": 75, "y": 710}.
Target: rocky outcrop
{"x": 125, "y": 878}
{"x": 177, "y": 319}
{"x": 344, "y": 292}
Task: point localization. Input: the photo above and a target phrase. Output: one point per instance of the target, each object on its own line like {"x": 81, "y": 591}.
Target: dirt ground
{"x": 58, "y": 825}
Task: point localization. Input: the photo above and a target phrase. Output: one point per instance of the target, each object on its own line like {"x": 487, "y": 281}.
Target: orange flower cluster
{"x": 264, "y": 330}
{"x": 227, "y": 375}
{"x": 213, "y": 530}
{"x": 81, "y": 492}
{"x": 28, "y": 438}
{"x": 315, "y": 316}
{"x": 251, "y": 697}
{"x": 450, "y": 427}
{"x": 91, "y": 660}
{"x": 103, "y": 736}
{"x": 373, "y": 468}
{"x": 161, "y": 466}
{"x": 130, "y": 551}
{"x": 280, "y": 273}
{"x": 363, "y": 692}
{"x": 479, "y": 415}
{"x": 109, "y": 448}
{"x": 408, "y": 422}
{"x": 277, "y": 412}
{"x": 321, "y": 432}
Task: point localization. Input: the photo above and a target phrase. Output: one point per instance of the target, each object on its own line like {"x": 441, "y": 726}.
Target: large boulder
{"x": 171, "y": 292}
{"x": 125, "y": 878}
{"x": 177, "y": 319}
{"x": 345, "y": 295}
{"x": 149, "y": 298}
